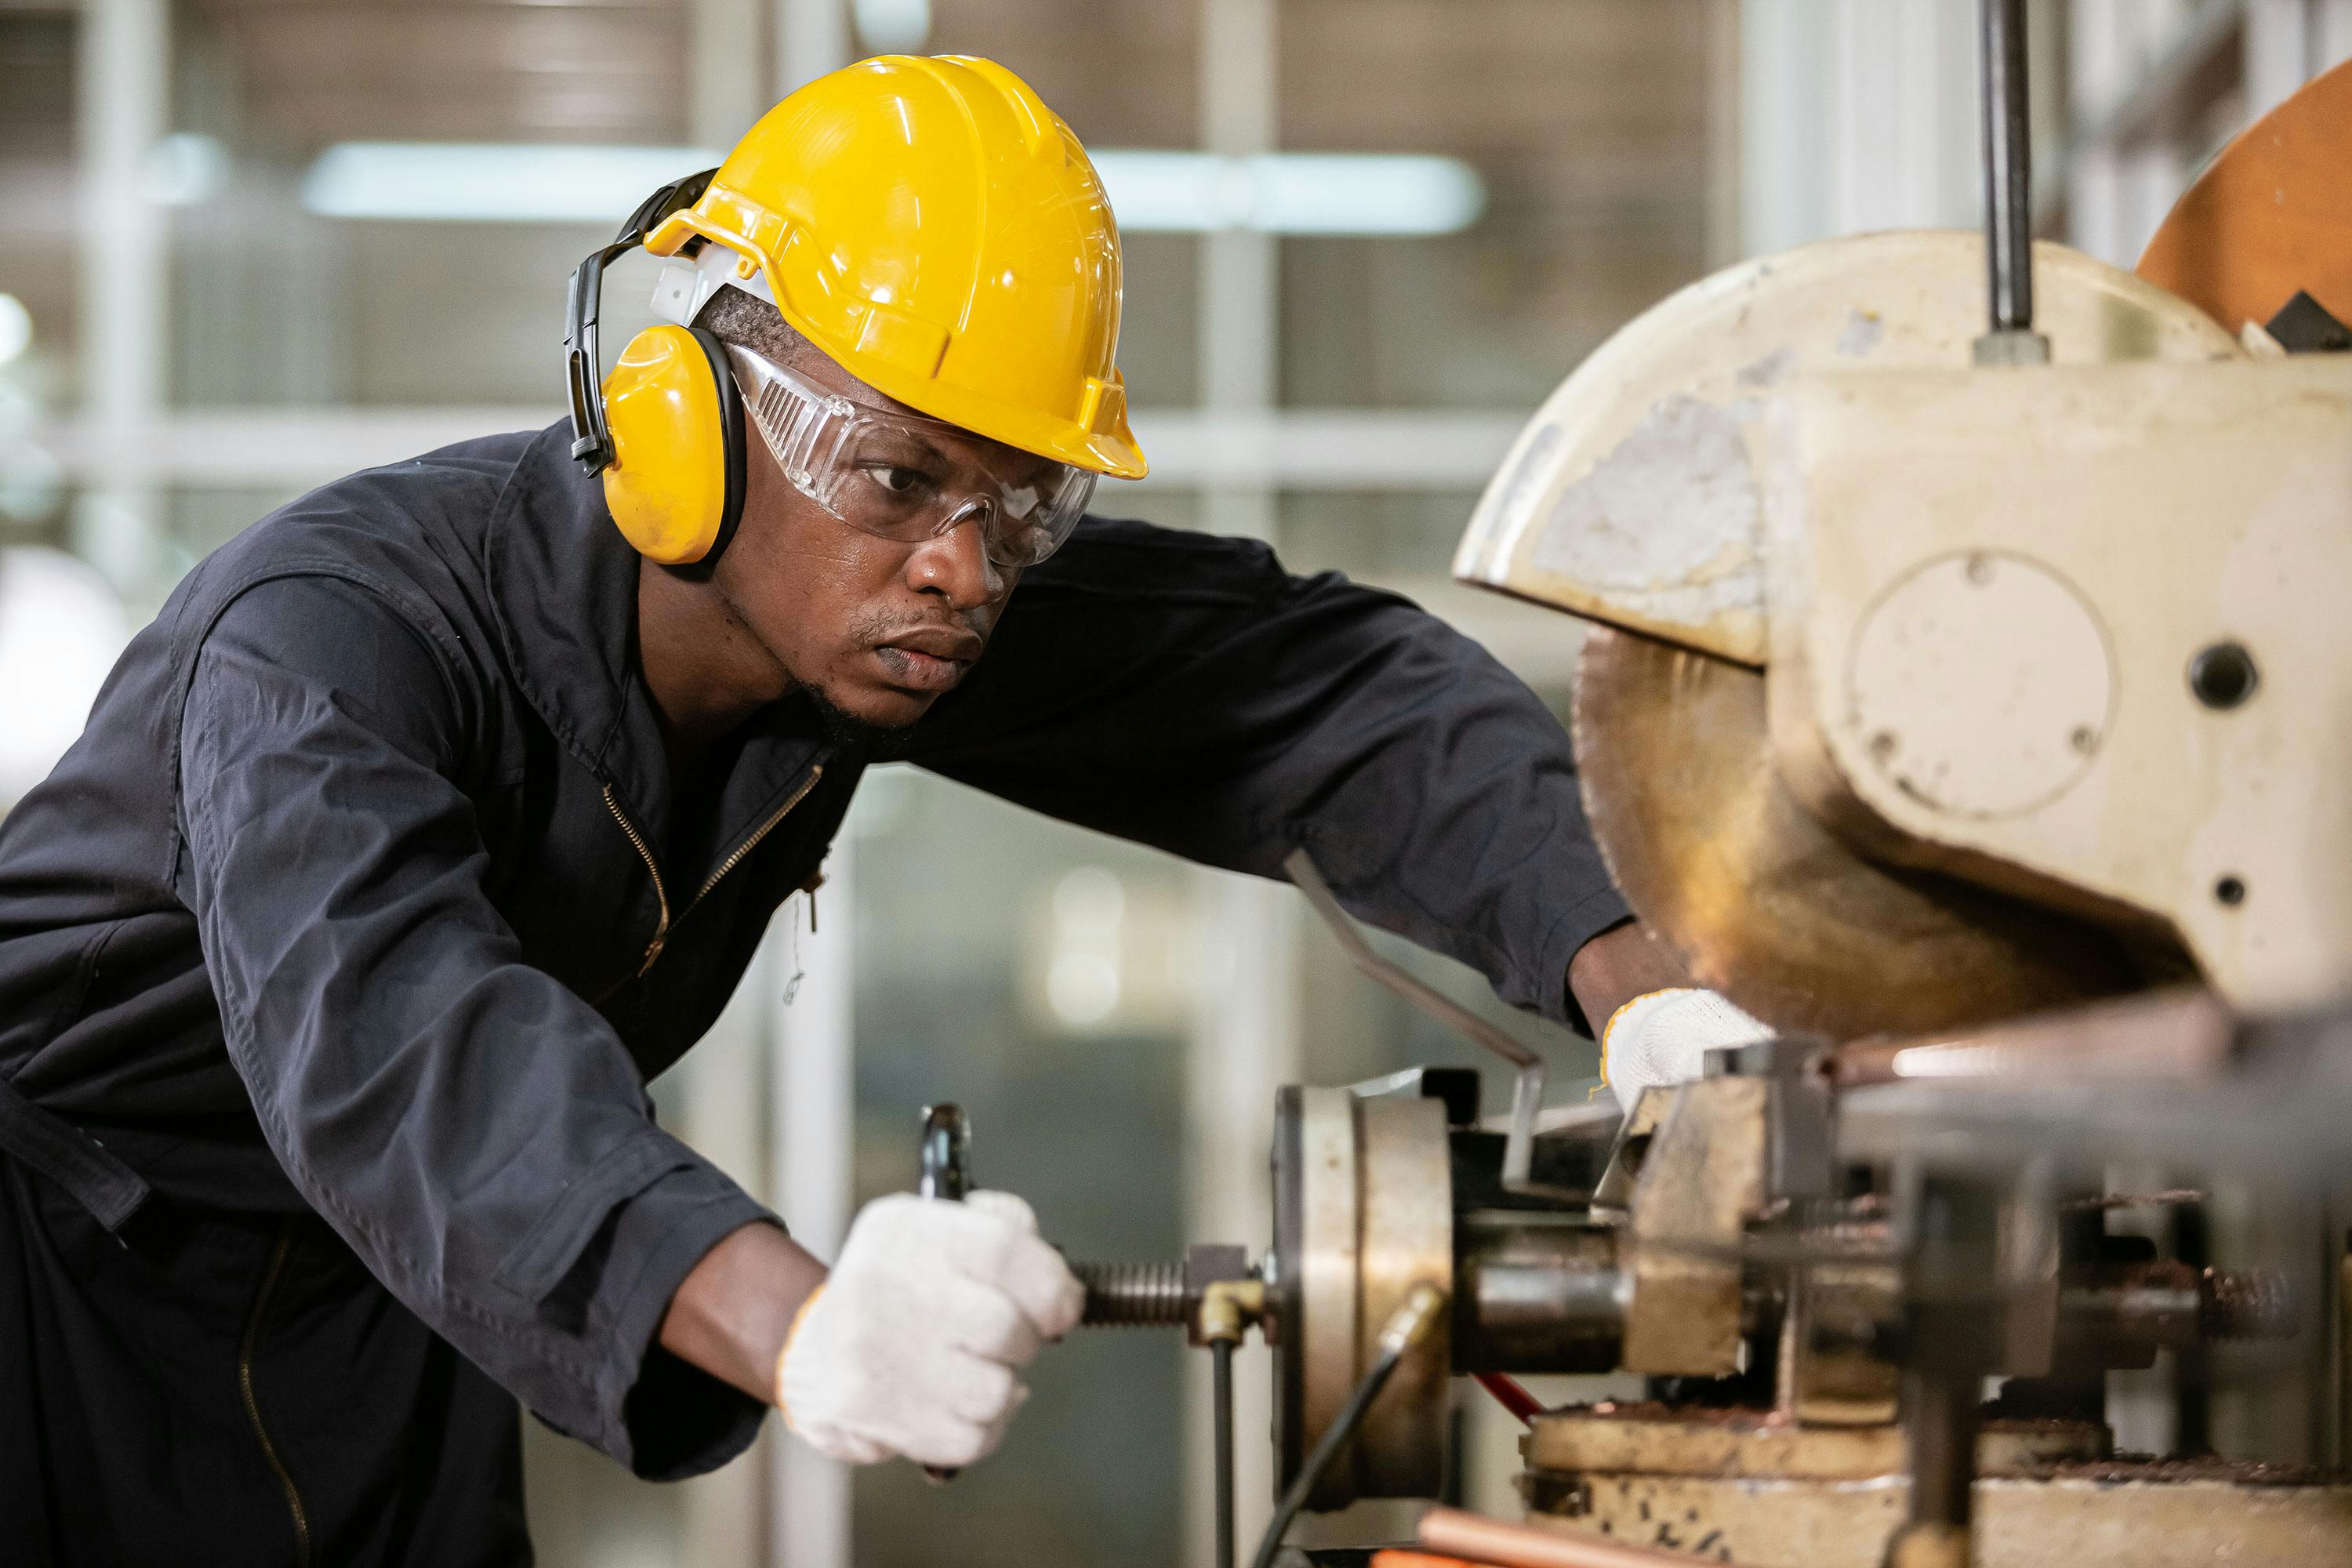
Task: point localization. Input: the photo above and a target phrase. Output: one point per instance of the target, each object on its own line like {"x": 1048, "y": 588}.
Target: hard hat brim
{"x": 1114, "y": 454}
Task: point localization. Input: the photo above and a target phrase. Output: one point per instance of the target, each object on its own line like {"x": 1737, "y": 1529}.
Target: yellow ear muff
{"x": 675, "y": 483}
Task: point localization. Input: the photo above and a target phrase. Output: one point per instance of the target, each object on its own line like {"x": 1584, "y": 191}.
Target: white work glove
{"x": 1663, "y": 1037}
{"x": 911, "y": 1348}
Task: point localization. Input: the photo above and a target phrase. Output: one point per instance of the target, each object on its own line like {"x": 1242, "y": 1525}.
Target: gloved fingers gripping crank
{"x": 1015, "y": 1257}
{"x": 988, "y": 1323}
{"x": 913, "y": 1346}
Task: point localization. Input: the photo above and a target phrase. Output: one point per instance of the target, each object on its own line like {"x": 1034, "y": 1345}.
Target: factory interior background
{"x": 255, "y": 243}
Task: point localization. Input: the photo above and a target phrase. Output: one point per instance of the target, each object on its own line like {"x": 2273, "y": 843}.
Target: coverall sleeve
{"x": 1182, "y": 691}
{"x": 475, "y": 1131}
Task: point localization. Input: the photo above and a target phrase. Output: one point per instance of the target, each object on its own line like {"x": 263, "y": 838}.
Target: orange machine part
{"x": 2271, "y": 213}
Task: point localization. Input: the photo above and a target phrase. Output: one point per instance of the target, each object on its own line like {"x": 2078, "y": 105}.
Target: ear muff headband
{"x": 665, "y": 429}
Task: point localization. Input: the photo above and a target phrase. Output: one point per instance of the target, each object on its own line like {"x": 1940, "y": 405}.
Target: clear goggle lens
{"x": 908, "y": 478}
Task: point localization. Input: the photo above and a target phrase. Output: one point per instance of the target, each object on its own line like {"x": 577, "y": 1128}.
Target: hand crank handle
{"x": 945, "y": 1174}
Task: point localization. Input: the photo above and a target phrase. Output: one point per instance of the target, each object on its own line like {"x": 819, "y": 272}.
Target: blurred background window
{"x": 256, "y": 243}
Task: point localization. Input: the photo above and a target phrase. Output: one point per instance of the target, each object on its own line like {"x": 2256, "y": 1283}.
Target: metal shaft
{"x": 1134, "y": 1295}
{"x": 1221, "y": 1365}
{"x": 2008, "y": 163}
{"x": 943, "y": 1163}
{"x": 1947, "y": 1277}
{"x": 1941, "y": 1435}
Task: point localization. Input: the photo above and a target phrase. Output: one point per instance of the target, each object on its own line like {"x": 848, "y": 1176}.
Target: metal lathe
{"x": 1969, "y": 696}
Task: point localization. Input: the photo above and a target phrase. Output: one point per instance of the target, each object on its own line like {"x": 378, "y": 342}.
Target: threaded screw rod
{"x": 1133, "y": 1295}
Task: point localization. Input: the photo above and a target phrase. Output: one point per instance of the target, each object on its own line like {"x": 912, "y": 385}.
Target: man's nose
{"x": 955, "y": 565}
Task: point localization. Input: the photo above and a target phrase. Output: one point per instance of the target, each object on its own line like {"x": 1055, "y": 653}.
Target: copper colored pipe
{"x": 1482, "y": 1539}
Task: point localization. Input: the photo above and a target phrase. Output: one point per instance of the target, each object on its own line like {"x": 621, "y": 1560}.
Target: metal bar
{"x": 2008, "y": 163}
{"x": 1526, "y": 1088}
{"x": 1478, "y": 1539}
{"x": 1242, "y": 1045}
{"x": 125, "y": 49}
{"x": 1289, "y": 448}
{"x": 1946, "y": 1356}
{"x": 1221, "y": 1364}
{"x": 1240, "y": 280}
{"x": 1940, "y": 1420}
{"x": 812, "y": 38}
{"x": 1302, "y": 870}
{"x": 810, "y": 997}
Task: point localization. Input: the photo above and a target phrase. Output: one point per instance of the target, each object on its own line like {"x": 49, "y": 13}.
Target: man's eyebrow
{"x": 923, "y": 443}
{"x": 986, "y": 453}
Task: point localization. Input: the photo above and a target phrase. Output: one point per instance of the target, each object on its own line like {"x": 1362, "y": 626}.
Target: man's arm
{"x": 1619, "y": 966}
{"x": 472, "y": 1128}
{"x": 1182, "y": 691}
{"x": 733, "y": 1309}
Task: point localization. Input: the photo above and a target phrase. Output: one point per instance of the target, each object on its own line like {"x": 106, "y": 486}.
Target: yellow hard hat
{"x": 939, "y": 232}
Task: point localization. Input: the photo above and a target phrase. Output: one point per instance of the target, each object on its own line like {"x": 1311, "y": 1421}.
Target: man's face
{"x": 876, "y": 629}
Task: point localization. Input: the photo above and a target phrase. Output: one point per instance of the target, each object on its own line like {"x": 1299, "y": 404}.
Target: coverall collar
{"x": 563, "y": 592}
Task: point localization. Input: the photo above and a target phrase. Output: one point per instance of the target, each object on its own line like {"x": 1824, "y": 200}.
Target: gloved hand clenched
{"x": 1663, "y": 1037}
{"x": 912, "y": 1347}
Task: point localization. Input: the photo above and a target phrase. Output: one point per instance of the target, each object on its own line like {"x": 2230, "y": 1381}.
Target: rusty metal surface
{"x": 1829, "y": 1374}
{"x": 1319, "y": 1349}
{"x": 1756, "y": 1488}
{"x": 1750, "y": 1445}
{"x": 1407, "y": 1219}
{"x": 2142, "y": 1516}
{"x": 1375, "y": 1201}
{"x": 1614, "y": 1190}
{"x": 1762, "y": 901}
{"x": 1703, "y": 1180}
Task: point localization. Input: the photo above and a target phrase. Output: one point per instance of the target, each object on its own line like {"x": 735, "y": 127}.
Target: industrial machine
{"x": 1972, "y": 702}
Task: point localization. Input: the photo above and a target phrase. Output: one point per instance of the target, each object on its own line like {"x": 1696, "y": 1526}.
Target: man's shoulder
{"x": 446, "y": 496}
{"x": 403, "y": 538}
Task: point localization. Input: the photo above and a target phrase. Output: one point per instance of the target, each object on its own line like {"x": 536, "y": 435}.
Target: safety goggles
{"x": 902, "y": 477}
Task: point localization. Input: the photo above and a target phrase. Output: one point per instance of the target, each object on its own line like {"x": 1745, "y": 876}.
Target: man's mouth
{"x": 929, "y": 658}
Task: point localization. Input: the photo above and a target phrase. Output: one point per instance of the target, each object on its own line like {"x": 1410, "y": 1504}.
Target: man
{"x": 443, "y": 808}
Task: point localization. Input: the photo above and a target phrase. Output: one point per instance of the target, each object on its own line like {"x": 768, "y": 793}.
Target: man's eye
{"x": 899, "y": 479}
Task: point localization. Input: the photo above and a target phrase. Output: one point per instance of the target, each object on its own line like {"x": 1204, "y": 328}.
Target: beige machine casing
{"x": 1988, "y": 590}
{"x": 1978, "y": 593}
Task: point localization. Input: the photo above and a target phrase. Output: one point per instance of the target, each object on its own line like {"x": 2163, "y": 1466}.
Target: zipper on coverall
{"x": 734, "y": 859}
{"x": 270, "y": 1275}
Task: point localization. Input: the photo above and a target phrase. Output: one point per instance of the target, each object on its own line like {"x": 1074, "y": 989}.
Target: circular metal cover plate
{"x": 1364, "y": 1211}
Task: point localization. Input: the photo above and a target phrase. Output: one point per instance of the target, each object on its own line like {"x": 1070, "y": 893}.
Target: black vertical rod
{"x": 2008, "y": 163}
{"x": 943, "y": 1166}
{"x": 1940, "y": 1444}
{"x": 1221, "y": 1362}
{"x": 1949, "y": 1280}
